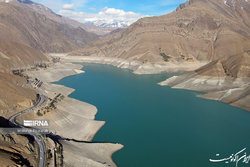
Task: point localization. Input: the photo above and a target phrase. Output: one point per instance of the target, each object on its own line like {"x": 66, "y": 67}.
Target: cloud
{"x": 79, "y": 3}
{"x": 104, "y": 16}
{"x": 68, "y": 6}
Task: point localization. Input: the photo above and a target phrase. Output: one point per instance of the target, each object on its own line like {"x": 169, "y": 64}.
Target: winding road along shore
{"x": 38, "y": 138}
{"x": 73, "y": 119}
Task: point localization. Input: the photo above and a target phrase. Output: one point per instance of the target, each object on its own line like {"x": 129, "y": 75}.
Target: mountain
{"x": 199, "y": 30}
{"x": 111, "y": 24}
{"x": 26, "y": 34}
{"x": 215, "y": 34}
{"x": 23, "y": 25}
{"x": 60, "y": 19}
{"x": 16, "y": 55}
{"x": 226, "y": 80}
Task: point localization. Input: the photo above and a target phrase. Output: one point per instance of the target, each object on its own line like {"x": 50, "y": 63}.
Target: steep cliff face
{"x": 200, "y": 30}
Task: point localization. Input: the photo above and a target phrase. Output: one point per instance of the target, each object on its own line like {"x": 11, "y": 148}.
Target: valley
{"x": 204, "y": 46}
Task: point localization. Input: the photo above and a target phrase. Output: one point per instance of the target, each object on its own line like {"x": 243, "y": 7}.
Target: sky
{"x": 126, "y": 11}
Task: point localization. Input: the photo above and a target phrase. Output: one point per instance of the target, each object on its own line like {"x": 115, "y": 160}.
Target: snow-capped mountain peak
{"x": 112, "y": 23}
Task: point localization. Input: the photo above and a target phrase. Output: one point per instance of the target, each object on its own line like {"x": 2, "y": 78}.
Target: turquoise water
{"x": 159, "y": 126}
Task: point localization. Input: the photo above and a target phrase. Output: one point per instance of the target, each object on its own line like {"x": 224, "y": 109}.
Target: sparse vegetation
{"x": 183, "y": 57}
{"x": 51, "y": 106}
{"x": 41, "y": 65}
{"x": 39, "y": 113}
{"x": 58, "y": 150}
{"x": 165, "y": 57}
{"x": 49, "y": 154}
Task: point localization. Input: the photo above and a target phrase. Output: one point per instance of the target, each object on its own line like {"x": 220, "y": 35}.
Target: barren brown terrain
{"x": 211, "y": 32}
{"x": 199, "y": 30}
{"x": 25, "y": 36}
{"x": 39, "y": 8}
{"x": 215, "y": 33}
{"x": 21, "y": 24}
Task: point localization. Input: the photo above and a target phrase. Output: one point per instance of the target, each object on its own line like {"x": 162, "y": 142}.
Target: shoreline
{"x": 137, "y": 66}
{"x": 234, "y": 92}
{"x": 70, "y": 112}
{"x": 213, "y": 87}
{"x": 64, "y": 69}
{"x": 87, "y": 150}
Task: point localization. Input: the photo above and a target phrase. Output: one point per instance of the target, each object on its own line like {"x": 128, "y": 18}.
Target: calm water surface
{"x": 160, "y": 126}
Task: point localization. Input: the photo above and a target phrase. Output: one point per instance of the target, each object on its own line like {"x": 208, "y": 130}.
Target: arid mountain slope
{"x": 15, "y": 55}
{"x": 60, "y": 19}
{"x": 213, "y": 33}
{"x": 200, "y": 30}
{"x": 17, "y": 150}
{"x": 23, "y": 25}
{"x": 24, "y": 35}
{"x": 13, "y": 97}
{"x": 237, "y": 66}
{"x": 226, "y": 80}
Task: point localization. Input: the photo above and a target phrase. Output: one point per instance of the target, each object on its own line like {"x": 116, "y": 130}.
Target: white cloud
{"x": 111, "y": 16}
{"x": 68, "y": 6}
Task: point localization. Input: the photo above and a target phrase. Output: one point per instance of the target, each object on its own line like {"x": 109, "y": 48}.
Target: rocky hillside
{"x": 16, "y": 150}
{"x": 25, "y": 36}
{"x": 16, "y": 55}
{"x": 226, "y": 80}
{"x": 214, "y": 33}
{"x": 27, "y": 26}
{"x": 26, "y": 33}
{"x": 43, "y": 10}
{"x": 13, "y": 96}
{"x": 62, "y": 20}
{"x": 199, "y": 30}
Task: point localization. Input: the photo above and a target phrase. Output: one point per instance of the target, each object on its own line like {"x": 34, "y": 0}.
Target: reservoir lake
{"x": 160, "y": 126}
